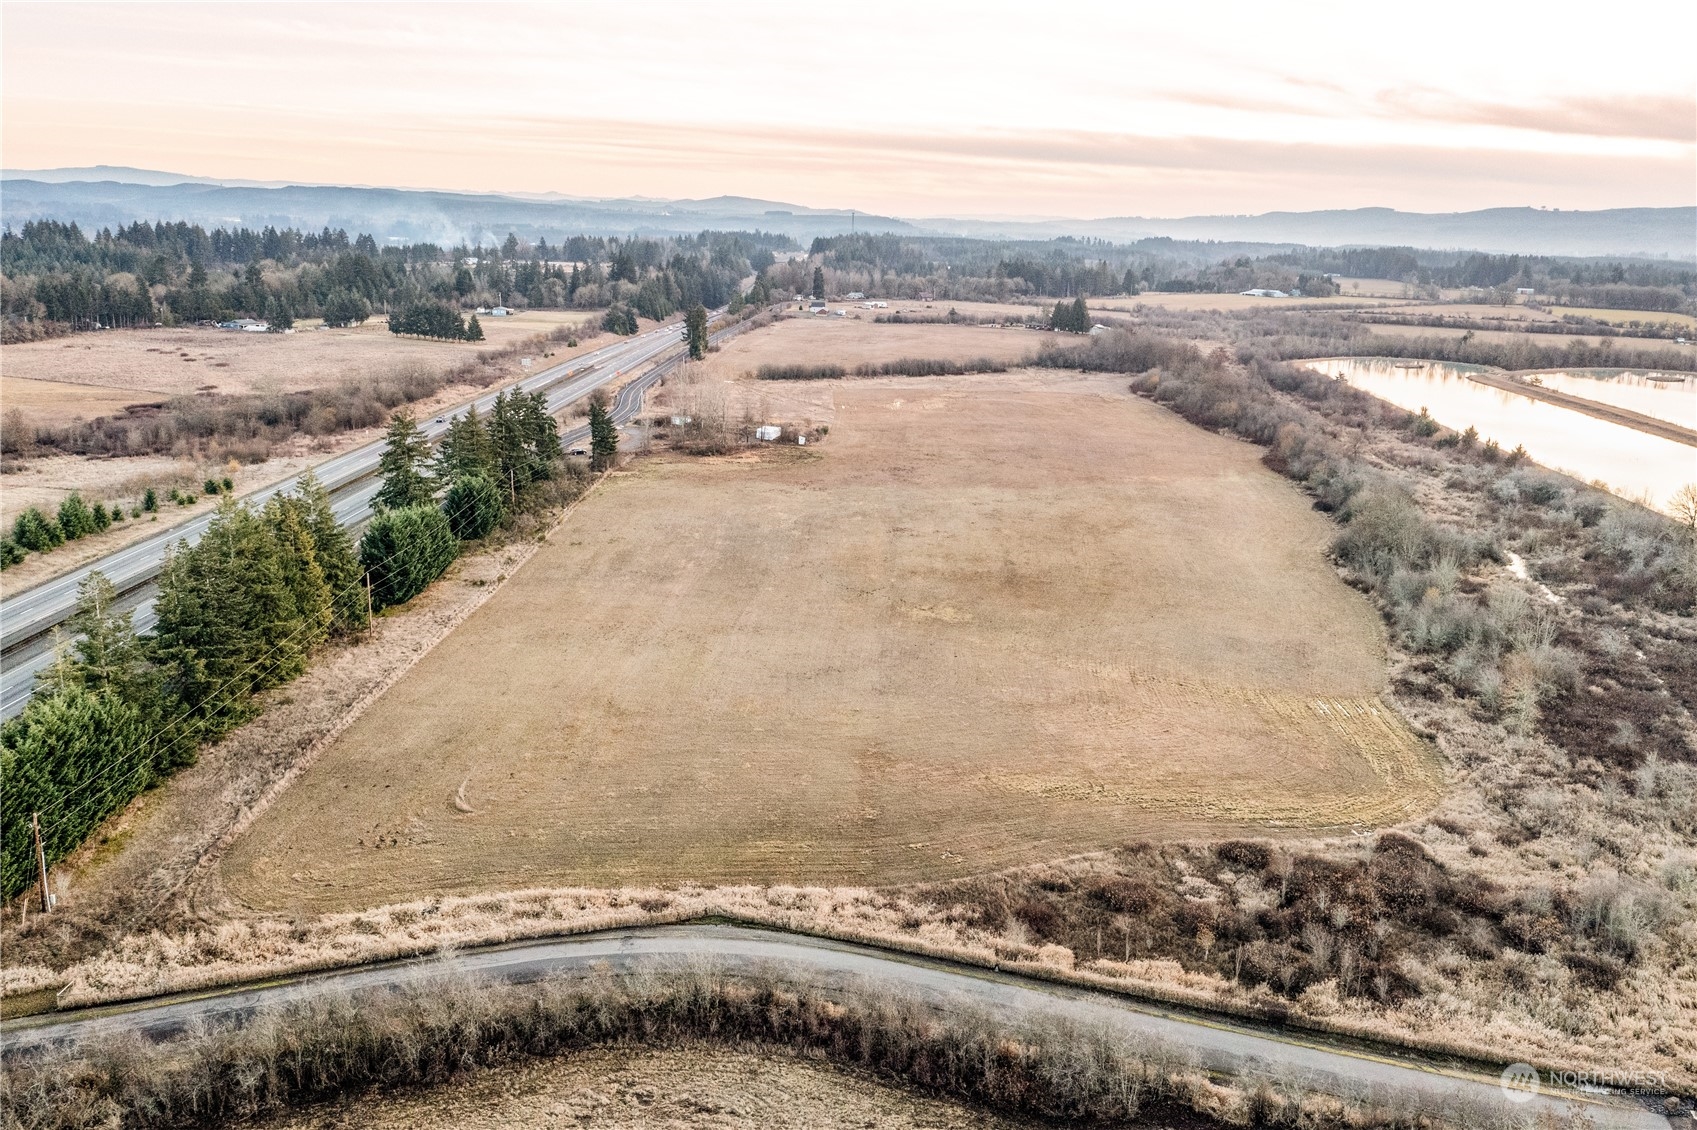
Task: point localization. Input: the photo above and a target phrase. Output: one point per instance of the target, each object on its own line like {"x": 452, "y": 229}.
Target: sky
{"x": 910, "y": 109}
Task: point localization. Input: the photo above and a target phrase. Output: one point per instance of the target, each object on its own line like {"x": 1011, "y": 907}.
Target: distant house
{"x": 768, "y": 432}
{"x": 1098, "y": 329}
{"x": 469, "y": 261}
{"x": 1524, "y": 290}
{"x": 875, "y": 305}
{"x": 1262, "y": 292}
{"x": 854, "y": 296}
{"x": 817, "y": 306}
{"x": 499, "y": 311}
{"x": 252, "y": 325}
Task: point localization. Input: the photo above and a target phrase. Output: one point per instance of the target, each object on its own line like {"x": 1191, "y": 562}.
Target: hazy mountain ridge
{"x": 405, "y": 215}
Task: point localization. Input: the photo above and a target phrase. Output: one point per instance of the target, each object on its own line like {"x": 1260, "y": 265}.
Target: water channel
{"x": 1628, "y": 462}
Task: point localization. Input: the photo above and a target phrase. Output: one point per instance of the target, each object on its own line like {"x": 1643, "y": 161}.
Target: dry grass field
{"x": 622, "y": 1089}
{"x": 813, "y": 340}
{"x": 1544, "y": 340}
{"x": 1625, "y": 317}
{"x": 1228, "y": 302}
{"x": 47, "y": 403}
{"x": 175, "y": 362}
{"x": 992, "y": 620}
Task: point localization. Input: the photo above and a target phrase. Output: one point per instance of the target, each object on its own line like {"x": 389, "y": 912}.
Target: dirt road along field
{"x": 992, "y": 620}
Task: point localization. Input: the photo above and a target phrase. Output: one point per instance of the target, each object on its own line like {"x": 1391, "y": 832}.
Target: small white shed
{"x": 768, "y": 432}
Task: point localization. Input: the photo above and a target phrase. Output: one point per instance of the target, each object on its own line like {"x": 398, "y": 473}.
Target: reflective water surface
{"x": 1639, "y": 466}
{"x": 1666, "y": 396}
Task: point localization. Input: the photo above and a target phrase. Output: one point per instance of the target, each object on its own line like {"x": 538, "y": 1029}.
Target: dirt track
{"x": 993, "y": 620}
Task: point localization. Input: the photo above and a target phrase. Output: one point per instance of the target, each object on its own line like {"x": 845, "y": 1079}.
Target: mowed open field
{"x": 992, "y": 620}
{"x": 51, "y": 403}
{"x": 158, "y": 363}
{"x": 816, "y": 340}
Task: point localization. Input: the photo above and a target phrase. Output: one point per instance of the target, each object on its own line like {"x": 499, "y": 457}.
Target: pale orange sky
{"x": 907, "y": 109}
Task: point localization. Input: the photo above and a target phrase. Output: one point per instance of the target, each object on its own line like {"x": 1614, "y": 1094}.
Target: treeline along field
{"x": 57, "y": 279}
{"x": 243, "y": 610}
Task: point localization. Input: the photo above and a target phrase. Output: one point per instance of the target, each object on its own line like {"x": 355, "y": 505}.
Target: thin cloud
{"x": 1644, "y": 117}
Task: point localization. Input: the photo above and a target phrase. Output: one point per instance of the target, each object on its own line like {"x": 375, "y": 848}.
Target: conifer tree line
{"x": 56, "y": 278}
{"x": 238, "y": 612}
{"x": 1071, "y": 317}
{"x": 889, "y": 266}
{"x": 437, "y": 320}
{"x": 695, "y": 331}
{"x": 243, "y": 610}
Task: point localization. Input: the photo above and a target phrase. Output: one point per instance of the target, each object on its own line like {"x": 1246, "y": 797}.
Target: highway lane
{"x": 1222, "y": 1045}
{"x": 27, "y": 618}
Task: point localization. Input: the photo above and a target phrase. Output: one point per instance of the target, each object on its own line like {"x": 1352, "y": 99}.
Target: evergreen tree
{"x": 474, "y": 329}
{"x": 473, "y": 507}
{"x": 603, "y": 432}
{"x": 1080, "y": 316}
{"x": 345, "y": 308}
{"x": 73, "y": 752}
{"x": 336, "y": 556}
{"x": 107, "y": 654}
{"x": 695, "y": 331}
{"x": 467, "y": 449}
{"x": 405, "y": 465}
{"x": 76, "y": 520}
{"x": 34, "y": 530}
{"x": 542, "y": 433}
{"x": 404, "y": 550}
{"x": 282, "y": 318}
{"x": 228, "y": 625}
{"x": 819, "y": 282}
{"x": 290, "y": 524}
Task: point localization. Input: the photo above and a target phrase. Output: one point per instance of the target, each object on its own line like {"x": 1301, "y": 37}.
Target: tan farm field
{"x": 815, "y": 340}
{"x": 1544, "y": 340}
{"x": 157, "y": 363}
{"x": 991, "y": 620}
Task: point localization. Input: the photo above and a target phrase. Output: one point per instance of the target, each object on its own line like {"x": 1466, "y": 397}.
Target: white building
{"x": 768, "y": 432}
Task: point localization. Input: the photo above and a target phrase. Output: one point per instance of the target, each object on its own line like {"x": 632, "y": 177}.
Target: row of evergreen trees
{"x": 437, "y": 320}
{"x": 238, "y": 612}
{"x": 1071, "y": 317}
{"x": 33, "y": 531}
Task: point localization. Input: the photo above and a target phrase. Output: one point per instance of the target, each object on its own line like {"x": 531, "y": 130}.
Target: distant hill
{"x": 106, "y": 196}
{"x": 403, "y": 215}
{"x": 1647, "y": 232}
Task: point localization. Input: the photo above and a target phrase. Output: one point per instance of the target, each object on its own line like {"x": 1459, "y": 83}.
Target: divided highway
{"x": 27, "y": 619}
{"x": 1220, "y": 1045}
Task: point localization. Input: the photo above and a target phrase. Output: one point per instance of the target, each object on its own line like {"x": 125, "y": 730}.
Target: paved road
{"x": 1222, "y": 1046}
{"x": 27, "y": 618}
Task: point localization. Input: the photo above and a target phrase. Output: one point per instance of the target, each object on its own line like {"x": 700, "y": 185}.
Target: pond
{"x": 1665, "y": 396}
{"x": 1642, "y": 467}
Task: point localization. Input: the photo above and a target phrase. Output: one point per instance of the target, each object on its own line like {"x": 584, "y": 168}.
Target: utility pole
{"x": 40, "y": 862}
